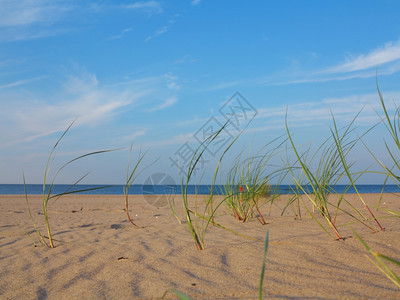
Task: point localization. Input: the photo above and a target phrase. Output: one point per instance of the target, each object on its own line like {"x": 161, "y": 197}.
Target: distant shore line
{"x": 141, "y": 189}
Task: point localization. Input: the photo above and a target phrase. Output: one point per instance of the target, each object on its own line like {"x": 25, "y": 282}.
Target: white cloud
{"x": 173, "y": 86}
{"x": 160, "y": 31}
{"x": 21, "y": 82}
{"x": 163, "y": 29}
{"x": 150, "y": 6}
{"x": 40, "y": 120}
{"x": 128, "y": 139}
{"x": 138, "y": 134}
{"x": 160, "y": 91}
{"x": 27, "y": 12}
{"x": 121, "y": 34}
{"x": 185, "y": 59}
{"x": 165, "y": 103}
{"x": 317, "y": 113}
{"x": 195, "y": 2}
{"x": 386, "y": 59}
{"x": 388, "y": 53}
{"x": 172, "y": 82}
{"x": 82, "y": 97}
{"x": 27, "y": 19}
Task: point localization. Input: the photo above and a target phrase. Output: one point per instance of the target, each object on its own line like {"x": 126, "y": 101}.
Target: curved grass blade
{"x": 198, "y": 235}
{"x": 320, "y": 201}
{"x": 260, "y": 285}
{"x": 47, "y": 195}
{"x": 338, "y": 141}
{"x": 39, "y": 236}
{"x": 379, "y": 262}
{"x": 130, "y": 177}
{"x": 180, "y": 295}
{"x": 221, "y": 226}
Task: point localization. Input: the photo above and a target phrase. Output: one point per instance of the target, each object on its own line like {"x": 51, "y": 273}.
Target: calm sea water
{"x": 18, "y": 189}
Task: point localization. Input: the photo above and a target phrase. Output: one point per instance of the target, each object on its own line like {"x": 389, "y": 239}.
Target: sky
{"x": 163, "y": 74}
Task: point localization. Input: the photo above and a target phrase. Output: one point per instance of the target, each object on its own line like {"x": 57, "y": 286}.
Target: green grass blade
{"x": 180, "y": 295}
{"x": 260, "y": 285}
{"x": 221, "y": 226}
{"x": 48, "y": 195}
{"x": 38, "y": 233}
{"x": 380, "y": 264}
{"x": 130, "y": 177}
{"x": 338, "y": 142}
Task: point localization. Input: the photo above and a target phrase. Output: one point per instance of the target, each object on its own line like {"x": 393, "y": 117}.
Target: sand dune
{"x": 100, "y": 255}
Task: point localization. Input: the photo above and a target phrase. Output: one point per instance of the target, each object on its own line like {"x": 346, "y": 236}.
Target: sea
{"x": 141, "y": 189}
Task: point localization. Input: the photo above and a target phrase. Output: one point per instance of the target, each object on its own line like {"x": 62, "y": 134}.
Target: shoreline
{"x": 179, "y": 195}
{"x": 140, "y": 189}
{"x": 99, "y": 254}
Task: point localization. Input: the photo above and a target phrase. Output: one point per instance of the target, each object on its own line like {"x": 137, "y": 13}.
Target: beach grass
{"x": 318, "y": 183}
{"x": 321, "y": 181}
{"x": 393, "y": 128}
{"x": 314, "y": 176}
{"x": 199, "y": 223}
{"x": 381, "y": 262}
{"x": 172, "y": 207}
{"x": 48, "y": 186}
{"x": 131, "y": 175}
{"x": 248, "y": 180}
{"x": 343, "y": 149}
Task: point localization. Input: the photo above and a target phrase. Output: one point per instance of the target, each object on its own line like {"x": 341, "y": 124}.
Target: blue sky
{"x": 157, "y": 72}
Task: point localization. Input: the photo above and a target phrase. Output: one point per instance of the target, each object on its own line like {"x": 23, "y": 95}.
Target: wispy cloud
{"x": 172, "y": 82}
{"x": 85, "y": 99}
{"x": 195, "y": 2}
{"x": 27, "y": 12}
{"x": 90, "y": 107}
{"x": 121, "y": 34}
{"x": 185, "y": 59}
{"x": 390, "y": 52}
{"x": 165, "y": 103}
{"x": 25, "y": 19}
{"x": 132, "y": 138}
{"x": 162, "y": 29}
{"x": 318, "y": 113}
{"x": 161, "y": 91}
{"x": 385, "y": 58}
{"x": 158, "y": 32}
{"x": 139, "y": 133}
{"x": 21, "y": 82}
{"x": 82, "y": 97}
{"x": 149, "y": 6}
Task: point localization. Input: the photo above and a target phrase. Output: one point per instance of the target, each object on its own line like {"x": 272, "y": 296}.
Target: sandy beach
{"x": 100, "y": 255}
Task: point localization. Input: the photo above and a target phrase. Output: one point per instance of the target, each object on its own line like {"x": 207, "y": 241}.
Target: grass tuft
{"x": 198, "y": 223}
{"x": 320, "y": 182}
{"x": 48, "y": 189}
{"x": 247, "y": 181}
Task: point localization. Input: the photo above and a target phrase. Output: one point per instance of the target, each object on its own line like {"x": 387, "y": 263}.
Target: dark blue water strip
{"x": 37, "y": 189}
